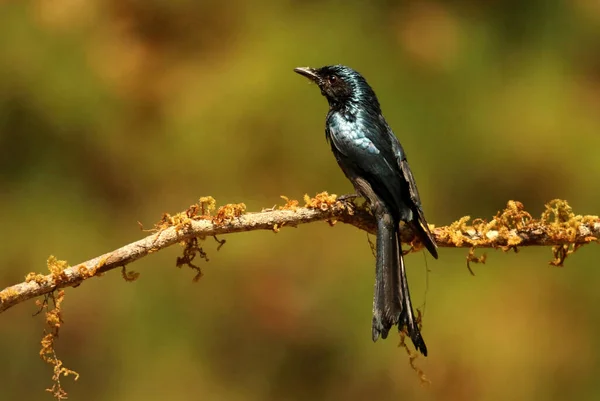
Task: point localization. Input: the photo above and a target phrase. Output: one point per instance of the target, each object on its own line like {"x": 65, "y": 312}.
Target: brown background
{"x": 113, "y": 112}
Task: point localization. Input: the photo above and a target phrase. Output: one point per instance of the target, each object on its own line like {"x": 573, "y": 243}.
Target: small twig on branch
{"x": 509, "y": 229}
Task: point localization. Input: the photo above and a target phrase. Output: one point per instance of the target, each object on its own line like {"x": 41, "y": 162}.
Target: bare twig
{"x": 509, "y": 229}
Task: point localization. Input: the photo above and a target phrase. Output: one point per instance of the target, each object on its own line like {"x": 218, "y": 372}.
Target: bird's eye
{"x": 332, "y": 79}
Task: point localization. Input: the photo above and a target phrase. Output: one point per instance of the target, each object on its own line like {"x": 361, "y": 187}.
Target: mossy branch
{"x": 509, "y": 229}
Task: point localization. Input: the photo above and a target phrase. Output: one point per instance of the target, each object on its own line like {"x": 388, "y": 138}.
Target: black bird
{"x": 370, "y": 155}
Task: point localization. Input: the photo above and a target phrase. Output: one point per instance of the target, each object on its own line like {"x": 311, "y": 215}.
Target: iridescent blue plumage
{"x": 371, "y": 157}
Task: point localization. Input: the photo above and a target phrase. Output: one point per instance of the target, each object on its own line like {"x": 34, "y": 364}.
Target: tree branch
{"x": 509, "y": 229}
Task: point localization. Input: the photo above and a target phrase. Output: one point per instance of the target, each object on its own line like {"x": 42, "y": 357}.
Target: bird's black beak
{"x": 309, "y": 73}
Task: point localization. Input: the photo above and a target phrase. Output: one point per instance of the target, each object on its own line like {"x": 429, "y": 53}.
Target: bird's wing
{"x": 399, "y": 158}
{"x": 413, "y": 193}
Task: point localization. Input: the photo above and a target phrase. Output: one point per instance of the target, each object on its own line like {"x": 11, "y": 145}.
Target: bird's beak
{"x": 309, "y": 73}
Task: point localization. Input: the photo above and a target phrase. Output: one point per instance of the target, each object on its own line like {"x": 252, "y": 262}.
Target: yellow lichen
{"x": 57, "y": 267}
{"x": 178, "y": 220}
{"x": 101, "y": 263}
{"x": 207, "y": 205}
{"x": 562, "y": 224}
{"x": 290, "y": 204}
{"x": 504, "y": 225}
{"x": 514, "y": 216}
{"x": 7, "y": 293}
{"x": 229, "y": 212}
{"x": 37, "y": 277}
{"x": 323, "y": 201}
{"x": 454, "y": 232}
{"x": 201, "y": 210}
{"x": 47, "y": 351}
{"x": 83, "y": 271}
{"x": 511, "y": 226}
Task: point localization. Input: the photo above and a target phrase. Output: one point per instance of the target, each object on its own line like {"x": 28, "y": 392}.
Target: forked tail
{"x": 391, "y": 302}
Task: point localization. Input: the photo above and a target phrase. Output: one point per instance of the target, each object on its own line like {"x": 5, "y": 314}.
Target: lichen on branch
{"x": 510, "y": 228}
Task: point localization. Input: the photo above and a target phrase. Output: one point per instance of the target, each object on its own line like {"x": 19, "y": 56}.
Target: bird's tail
{"x": 391, "y": 302}
{"x": 407, "y": 319}
{"x": 386, "y": 301}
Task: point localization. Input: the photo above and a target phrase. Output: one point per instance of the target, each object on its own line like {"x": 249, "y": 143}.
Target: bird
{"x": 372, "y": 158}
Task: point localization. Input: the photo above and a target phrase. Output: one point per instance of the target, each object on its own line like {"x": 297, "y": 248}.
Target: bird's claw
{"x": 347, "y": 197}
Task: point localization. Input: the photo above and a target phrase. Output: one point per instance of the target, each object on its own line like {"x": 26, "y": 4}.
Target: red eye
{"x": 332, "y": 79}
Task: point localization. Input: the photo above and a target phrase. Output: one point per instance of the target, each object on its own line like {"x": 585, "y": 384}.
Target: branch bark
{"x": 509, "y": 229}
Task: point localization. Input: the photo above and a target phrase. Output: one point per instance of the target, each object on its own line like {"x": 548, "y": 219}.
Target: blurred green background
{"x": 113, "y": 112}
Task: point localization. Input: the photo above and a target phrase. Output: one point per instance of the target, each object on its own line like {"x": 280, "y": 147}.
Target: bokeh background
{"x": 113, "y": 112}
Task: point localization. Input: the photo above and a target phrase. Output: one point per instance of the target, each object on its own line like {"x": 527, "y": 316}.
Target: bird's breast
{"x": 349, "y": 136}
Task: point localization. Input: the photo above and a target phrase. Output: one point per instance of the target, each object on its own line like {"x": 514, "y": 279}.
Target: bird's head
{"x": 341, "y": 85}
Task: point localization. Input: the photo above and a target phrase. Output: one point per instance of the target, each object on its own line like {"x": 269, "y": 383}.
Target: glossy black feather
{"x": 372, "y": 158}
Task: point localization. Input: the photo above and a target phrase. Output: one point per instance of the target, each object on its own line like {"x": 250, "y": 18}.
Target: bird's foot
{"x": 347, "y": 197}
